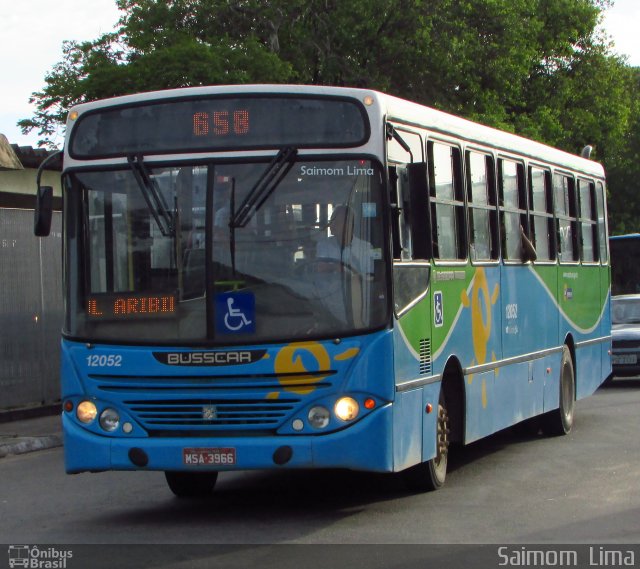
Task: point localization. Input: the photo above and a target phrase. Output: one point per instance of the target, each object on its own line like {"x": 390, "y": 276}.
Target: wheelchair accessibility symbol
{"x": 235, "y": 313}
{"x": 438, "y": 310}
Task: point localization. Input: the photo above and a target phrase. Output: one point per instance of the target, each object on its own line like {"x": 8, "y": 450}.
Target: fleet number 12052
{"x": 96, "y": 360}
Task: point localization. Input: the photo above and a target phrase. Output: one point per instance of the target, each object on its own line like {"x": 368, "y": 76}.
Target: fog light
{"x": 109, "y": 420}
{"x": 86, "y": 412}
{"x": 347, "y": 409}
{"x": 319, "y": 417}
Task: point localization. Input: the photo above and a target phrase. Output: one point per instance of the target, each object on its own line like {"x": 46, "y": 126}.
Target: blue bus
{"x": 271, "y": 277}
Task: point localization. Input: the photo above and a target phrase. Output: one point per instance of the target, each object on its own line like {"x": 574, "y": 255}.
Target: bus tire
{"x": 560, "y": 421}
{"x": 191, "y": 484}
{"x": 431, "y": 475}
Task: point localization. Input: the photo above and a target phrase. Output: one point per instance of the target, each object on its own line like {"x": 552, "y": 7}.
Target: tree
{"x": 536, "y": 67}
{"x": 623, "y": 169}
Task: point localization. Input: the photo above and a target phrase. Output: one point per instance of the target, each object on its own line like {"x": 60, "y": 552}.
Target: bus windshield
{"x": 163, "y": 258}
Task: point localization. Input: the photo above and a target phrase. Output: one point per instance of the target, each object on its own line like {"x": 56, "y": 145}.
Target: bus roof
{"x": 447, "y": 124}
{"x": 394, "y": 108}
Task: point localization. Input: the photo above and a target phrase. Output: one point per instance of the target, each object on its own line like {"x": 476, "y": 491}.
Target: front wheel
{"x": 560, "y": 421}
{"x": 191, "y": 484}
{"x": 431, "y": 475}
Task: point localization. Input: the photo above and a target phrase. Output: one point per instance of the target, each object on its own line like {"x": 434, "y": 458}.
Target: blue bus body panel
{"x": 254, "y": 407}
{"x": 363, "y": 446}
{"x": 506, "y": 337}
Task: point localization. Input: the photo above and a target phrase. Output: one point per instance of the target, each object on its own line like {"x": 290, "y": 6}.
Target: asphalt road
{"x": 511, "y": 488}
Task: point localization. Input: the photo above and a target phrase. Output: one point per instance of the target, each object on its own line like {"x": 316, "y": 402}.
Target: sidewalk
{"x": 27, "y": 435}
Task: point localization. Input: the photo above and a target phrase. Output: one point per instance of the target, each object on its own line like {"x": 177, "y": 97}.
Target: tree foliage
{"x": 536, "y": 67}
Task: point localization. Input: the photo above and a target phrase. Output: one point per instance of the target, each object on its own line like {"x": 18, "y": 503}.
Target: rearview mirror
{"x": 43, "y": 212}
{"x": 44, "y": 200}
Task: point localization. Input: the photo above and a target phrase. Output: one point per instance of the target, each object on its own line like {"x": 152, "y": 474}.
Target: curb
{"x": 11, "y": 415}
{"x": 23, "y": 445}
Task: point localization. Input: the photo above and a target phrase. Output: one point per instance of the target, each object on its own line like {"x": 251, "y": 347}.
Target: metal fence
{"x": 30, "y": 311}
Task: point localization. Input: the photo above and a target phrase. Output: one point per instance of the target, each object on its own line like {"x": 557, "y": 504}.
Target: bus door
{"x": 412, "y": 307}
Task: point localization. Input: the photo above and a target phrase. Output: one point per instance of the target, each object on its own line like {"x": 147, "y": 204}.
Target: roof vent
{"x": 586, "y": 151}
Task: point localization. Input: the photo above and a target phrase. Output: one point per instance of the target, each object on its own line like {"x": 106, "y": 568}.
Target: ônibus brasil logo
{"x": 38, "y": 557}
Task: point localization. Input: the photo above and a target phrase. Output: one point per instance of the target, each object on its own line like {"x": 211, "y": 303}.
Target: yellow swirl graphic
{"x": 291, "y": 370}
{"x": 481, "y": 320}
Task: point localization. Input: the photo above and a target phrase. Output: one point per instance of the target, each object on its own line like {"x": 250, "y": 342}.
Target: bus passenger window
{"x": 601, "y": 213}
{"x": 565, "y": 206}
{"x": 447, "y": 205}
{"x": 512, "y": 208}
{"x": 541, "y": 213}
{"x": 482, "y": 213}
{"x": 588, "y": 224}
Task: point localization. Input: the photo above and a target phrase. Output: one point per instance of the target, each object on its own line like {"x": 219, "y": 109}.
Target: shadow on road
{"x": 303, "y": 497}
{"x": 622, "y": 383}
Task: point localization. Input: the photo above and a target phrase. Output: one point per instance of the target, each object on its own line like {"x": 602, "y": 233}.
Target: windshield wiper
{"x": 152, "y": 195}
{"x": 264, "y": 187}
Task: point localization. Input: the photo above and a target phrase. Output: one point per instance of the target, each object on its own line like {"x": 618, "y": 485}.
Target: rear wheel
{"x": 560, "y": 421}
{"x": 191, "y": 484}
{"x": 431, "y": 475}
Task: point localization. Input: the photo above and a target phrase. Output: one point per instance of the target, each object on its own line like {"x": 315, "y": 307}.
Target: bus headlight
{"x": 109, "y": 420}
{"x": 86, "y": 412}
{"x": 347, "y": 409}
{"x": 319, "y": 417}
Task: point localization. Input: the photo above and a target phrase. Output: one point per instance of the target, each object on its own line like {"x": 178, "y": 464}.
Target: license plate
{"x": 630, "y": 359}
{"x": 209, "y": 456}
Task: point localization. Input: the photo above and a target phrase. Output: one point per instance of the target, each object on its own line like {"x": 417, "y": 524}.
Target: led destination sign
{"x": 219, "y": 123}
{"x": 130, "y": 306}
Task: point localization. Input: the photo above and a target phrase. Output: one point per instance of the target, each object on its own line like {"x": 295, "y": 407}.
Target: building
{"x": 31, "y": 283}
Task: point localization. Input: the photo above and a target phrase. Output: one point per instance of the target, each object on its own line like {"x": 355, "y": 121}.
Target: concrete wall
{"x": 30, "y": 311}
{"x": 30, "y": 295}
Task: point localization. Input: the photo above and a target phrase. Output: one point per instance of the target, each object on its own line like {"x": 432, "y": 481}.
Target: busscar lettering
{"x": 208, "y": 358}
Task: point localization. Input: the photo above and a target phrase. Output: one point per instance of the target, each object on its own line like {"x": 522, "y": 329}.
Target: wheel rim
{"x": 442, "y": 443}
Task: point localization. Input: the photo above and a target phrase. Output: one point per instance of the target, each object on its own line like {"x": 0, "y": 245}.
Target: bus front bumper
{"x": 365, "y": 445}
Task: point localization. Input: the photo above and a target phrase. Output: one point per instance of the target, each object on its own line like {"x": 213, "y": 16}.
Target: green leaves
{"x": 535, "y": 67}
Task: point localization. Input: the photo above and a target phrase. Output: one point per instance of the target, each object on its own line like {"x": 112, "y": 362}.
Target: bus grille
{"x": 425, "y": 356}
{"x": 211, "y": 413}
{"x": 210, "y": 405}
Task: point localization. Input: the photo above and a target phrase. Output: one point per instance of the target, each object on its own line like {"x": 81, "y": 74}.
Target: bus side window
{"x": 513, "y": 208}
{"x": 447, "y": 201}
{"x": 396, "y": 208}
{"x": 601, "y": 213}
{"x": 541, "y": 208}
{"x": 481, "y": 198}
{"x": 588, "y": 221}
{"x": 565, "y": 208}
